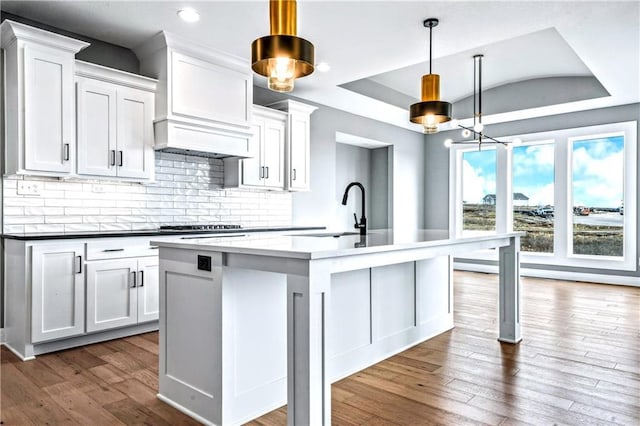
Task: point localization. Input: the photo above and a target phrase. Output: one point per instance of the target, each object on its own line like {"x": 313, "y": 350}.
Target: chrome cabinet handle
{"x": 294, "y": 174}
{"x": 78, "y": 264}
{"x": 134, "y": 280}
{"x": 267, "y": 169}
{"x": 261, "y": 172}
{"x": 110, "y": 250}
{"x": 66, "y": 152}
{"x": 121, "y": 159}
{"x": 141, "y": 274}
{"x": 113, "y": 157}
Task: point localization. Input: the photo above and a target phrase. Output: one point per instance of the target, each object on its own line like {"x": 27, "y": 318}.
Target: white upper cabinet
{"x": 298, "y": 144}
{"x": 204, "y": 96}
{"x": 39, "y": 92}
{"x": 266, "y": 167}
{"x": 115, "y": 123}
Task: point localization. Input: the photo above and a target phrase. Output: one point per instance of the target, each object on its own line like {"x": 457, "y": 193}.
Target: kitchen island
{"x": 248, "y": 324}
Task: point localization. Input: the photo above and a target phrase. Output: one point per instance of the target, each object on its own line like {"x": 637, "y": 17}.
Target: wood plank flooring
{"x": 578, "y": 364}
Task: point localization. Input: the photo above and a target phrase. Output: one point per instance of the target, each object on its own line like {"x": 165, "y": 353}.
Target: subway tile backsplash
{"x": 188, "y": 189}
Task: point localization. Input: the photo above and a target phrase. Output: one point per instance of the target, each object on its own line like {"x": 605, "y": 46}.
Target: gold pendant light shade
{"x": 431, "y": 111}
{"x": 282, "y": 56}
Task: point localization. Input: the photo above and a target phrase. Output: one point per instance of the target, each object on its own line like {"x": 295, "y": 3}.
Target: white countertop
{"x": 303, "y": 245}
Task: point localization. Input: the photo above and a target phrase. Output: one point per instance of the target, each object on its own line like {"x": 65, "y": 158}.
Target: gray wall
{"x": 353, "y": 164}
{"x": 320, "y": 206}
{"x": 369, "y": 167}
{"x": 437, "y": 162}
{"x": 381, "y": 184}
{"x": 98, "y": 52}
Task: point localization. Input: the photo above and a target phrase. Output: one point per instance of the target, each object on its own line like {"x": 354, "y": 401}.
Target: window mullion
{"x": 562, "y": 230}
{"x": 504, "y": 191}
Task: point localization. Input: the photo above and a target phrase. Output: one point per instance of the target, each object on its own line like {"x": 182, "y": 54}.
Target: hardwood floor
{"x": 578, "y": 364}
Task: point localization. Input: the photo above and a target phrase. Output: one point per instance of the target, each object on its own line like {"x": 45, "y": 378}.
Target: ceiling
{"x": 378, "y": 49}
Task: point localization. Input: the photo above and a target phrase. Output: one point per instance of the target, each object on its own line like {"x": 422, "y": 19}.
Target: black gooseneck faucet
{"x": 362, "y": 225}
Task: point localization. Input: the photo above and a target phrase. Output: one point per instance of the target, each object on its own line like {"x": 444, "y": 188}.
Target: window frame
{"x": 563, "y": 209}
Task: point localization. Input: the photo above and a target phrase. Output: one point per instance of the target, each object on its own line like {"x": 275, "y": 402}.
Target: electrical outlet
{"x": 204, "y": 263}
{"x": 98, "y": 188}
{"x": 29, "y": 188}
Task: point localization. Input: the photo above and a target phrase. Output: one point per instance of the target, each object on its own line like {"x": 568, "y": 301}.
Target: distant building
{"x": 519, "y": 199}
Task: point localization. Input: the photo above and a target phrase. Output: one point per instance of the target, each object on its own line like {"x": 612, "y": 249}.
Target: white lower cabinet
{"x": 148, "y": 289}
{"x": 57, "y": 291}
{"x": 65, "y": 293}
{"x": 121, "y": 292}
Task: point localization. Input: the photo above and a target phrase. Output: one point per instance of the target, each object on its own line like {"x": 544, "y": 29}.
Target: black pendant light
{"x": 479, "y": 137}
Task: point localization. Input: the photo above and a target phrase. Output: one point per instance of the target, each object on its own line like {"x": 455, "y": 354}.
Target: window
{"x": 479, "y": 190}
{"x": 573, "y": 191}
{"x": 533, "y": 196}
{"x": 597, "y": 188}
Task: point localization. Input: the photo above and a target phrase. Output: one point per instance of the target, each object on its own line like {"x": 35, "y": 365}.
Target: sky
{"x": 597, "y": 173}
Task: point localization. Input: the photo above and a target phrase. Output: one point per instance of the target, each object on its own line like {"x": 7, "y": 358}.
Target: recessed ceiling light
{"x": 323, "y": 66}
{"x": 189, "y": 15}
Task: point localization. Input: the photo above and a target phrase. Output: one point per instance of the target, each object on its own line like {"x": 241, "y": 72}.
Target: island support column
{"x": 308, "y": 387}
{"x": 509, "y": 299}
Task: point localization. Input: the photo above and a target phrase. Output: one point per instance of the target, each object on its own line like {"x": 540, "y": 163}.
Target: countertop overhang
{"x": 308, "y": 246}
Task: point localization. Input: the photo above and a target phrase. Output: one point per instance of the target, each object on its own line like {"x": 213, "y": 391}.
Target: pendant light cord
{"x": 480, "y": 89}
{"x": 430, "y": 46}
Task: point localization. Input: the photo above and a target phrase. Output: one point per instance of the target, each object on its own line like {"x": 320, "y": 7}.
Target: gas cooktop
{"x": 198, "y": 227}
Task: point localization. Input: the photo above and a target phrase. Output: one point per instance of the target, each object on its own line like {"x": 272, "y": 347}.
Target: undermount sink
{"x": 328, "y": 234}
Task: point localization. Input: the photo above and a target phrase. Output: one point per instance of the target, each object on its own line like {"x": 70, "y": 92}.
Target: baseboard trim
{"x": 18, "y": 354}
{"x": 556, "y": 275}
{"x": 185, "y": 410}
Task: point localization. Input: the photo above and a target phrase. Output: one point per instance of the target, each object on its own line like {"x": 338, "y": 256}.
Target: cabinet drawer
{"x": 115, "y": 248}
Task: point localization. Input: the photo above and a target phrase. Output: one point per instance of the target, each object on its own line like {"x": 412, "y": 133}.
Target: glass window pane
{"x": 597, "y": 187}
{"x": 479, "y": 190}
{"x": 533, "y": 195}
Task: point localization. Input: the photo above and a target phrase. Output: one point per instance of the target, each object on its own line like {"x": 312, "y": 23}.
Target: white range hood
{"x": 204, "y": 97}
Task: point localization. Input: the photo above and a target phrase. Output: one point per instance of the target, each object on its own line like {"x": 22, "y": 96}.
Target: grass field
{"x": 598, "y": 240}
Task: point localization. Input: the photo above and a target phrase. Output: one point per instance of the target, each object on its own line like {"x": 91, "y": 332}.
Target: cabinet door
{"x": 299, "y": 146}
{"x": 96, "y": 113}
{"x": 148, "y": 289}
{"x": 111, "y": 294}
{"x": 49, "y": 126}
{"x": 251, "y": 168}
{"x": 135, "y": 158}
{"x": 273, "y": 153}
{"x": 57, "y": 291}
